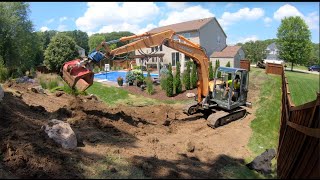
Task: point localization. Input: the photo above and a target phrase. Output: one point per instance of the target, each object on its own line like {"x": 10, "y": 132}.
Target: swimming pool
{"x": 113, "y": 75}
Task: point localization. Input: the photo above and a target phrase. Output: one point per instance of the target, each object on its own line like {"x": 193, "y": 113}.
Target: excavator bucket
{"x": 80, "y": 78}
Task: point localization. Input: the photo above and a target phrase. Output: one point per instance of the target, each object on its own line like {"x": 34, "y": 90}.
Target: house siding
{"x": 209, "y": 37}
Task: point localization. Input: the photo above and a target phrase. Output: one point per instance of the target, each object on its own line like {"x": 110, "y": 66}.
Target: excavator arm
{"x": 168, "y": 39}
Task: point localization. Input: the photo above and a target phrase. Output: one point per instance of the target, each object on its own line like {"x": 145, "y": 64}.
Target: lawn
{"x": 303, "y": 86}
{"x": 113, "y": 95}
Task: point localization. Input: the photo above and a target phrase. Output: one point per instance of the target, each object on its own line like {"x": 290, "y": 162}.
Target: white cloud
{"x": 63, "y": 18}
{"x": 242, "y": 40}
{"x": 228, "y": 18}
{"x": 188, "y": 14}
{"x": 126, "y": 27}
{"x": 231, "y": 4}
{"x": 267, "y": 21}
{"x": 287, "y": 10}
{"x": 50, "y": 21}
{"x": 62, "y": 27}
{"x": 44, "y": 28}
{"x": 176, "y": 5}
{"x": 108, "y": 14}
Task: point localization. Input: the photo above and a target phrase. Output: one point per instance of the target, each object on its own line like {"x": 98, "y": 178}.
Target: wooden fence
{"x": 245, "y": 64}
{"x": 298, "y": 148}
{"x": 272, "y": 68}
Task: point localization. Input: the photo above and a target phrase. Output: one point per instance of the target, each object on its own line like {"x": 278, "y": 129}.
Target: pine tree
{"x": 186, "y": 76}
{"x": 169, "y": 86}
{"x": 177, "y": 80}
{"x": 193, "y": 77}
{"x": 210, "y": 71}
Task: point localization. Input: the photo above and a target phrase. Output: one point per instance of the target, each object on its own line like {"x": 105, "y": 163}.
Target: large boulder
{"x": 1, "y": 94}
{"x": 61, "y": 133}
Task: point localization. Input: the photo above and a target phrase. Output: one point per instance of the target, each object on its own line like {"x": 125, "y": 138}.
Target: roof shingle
{"x": 184, "y": 26}
{"x": 229, "y": 51}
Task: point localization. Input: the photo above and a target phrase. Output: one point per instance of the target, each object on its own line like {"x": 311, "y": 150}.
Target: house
{"x": 233, "y": 54}
{"x": 273, "y": 54}
{"x": 207, "y": 32}
{"x": 81, "y": 51}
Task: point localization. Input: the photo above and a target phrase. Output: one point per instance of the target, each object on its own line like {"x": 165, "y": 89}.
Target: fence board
{"x": 272, "y": 68}
{"x": 298, "y": 147}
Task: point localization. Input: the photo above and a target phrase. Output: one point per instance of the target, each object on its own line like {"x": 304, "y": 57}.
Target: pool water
{"x": 112, "y": 76}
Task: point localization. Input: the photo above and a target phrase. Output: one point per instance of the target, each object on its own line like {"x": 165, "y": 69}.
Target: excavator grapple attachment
{"x": 77, "y": 77}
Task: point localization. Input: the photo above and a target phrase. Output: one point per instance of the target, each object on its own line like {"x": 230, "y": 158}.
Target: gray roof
{"x": 272, "y": 47}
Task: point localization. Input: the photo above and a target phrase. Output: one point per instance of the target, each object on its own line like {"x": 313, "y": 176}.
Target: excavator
{"x": 221, "y": 105}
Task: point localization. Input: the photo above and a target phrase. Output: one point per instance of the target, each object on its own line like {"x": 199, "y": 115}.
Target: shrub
{"x": 150, "y": 88}
{"x": 52, "y": 83}
{"x": 229, "y": 74}
{"x": 169, "y": 84}
{"x": 186, "y": 77}
{"x": 130, "y": 78}
{"x": 4, "y": 73}
{"x": 194, "y": 77}
{"x": 163, "y": 81}
{"x": 177, "y": 80}
{"x": 61, "y": 49}
{"x": 228, "y": 64}
{"x": 120, "y": 81}
{"x": 210, "y": 71}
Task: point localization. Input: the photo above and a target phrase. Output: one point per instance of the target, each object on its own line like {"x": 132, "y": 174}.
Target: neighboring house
{"x": 273, "y": 54}
{"x": 206, "y": 32}
{"x": 231, "y": 53}
{"x": 81, "y": 51}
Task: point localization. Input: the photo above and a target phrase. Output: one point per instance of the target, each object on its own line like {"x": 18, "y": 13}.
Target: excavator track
{"x": 191, "y": 108}
{"x": 221, "y": 118}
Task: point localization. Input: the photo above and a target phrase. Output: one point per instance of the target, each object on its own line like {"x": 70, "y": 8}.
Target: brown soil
{"x": 183, "y": 148}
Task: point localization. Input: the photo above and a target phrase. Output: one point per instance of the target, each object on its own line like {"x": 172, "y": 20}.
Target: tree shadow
{"x": 189, "y": 166}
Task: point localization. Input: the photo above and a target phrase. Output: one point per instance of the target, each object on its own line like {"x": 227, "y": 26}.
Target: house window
{"x": 152, "y": 49}
{"x": 160, "y": 47}
{"x": 187, "y": 35}
{"x": 152, "y": 59}
{"x": 175, "y": 58}
{"x": 156, "y": 48}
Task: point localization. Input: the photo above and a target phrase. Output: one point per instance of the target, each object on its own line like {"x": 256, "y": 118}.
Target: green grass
{"x": 101, "y": 169}
{"x": 300, "y": 67}
{"x": 302, "y": 87}
{"x": 114, "y": 95}
{"x": 265, "y": 126}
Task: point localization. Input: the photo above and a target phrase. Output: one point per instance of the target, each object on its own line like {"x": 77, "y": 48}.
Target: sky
{"x": 241, "y": 21}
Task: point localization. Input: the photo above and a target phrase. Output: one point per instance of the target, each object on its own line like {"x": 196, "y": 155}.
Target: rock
{"x": 94, "y": 139}
{"x": 59, "y": 93}
{"x": 1, "y": 94}
{"x": 190, "y": 147}
{"x": 91, "y": 96}
{"x": 61, "y": 133}
{"x": 37, "y": 89}
{"x": 140, "y": 124}
{"x": 143, "y": 87}
{"x": 190, "y": 95}
{"x": 166, "y": 122}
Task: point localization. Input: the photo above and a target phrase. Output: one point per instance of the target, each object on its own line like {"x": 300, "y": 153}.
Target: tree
{"x": 81, "y": 38}
{"x": 95, "y": 40}
{"x": 228, "y": 64}
{"x": 177, "y": 80}
{"x": 294, "y": 42}
{"x": 61, "y": 49}
{"x": 211, "y": 76}
{"x": 194, "y": 77}
{"x": 169, "y": 86}
{"x": 18, "y": 45}
{"x": 186, "y": 76}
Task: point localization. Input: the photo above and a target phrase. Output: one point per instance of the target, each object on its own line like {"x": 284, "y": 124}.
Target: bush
{"x": 169, "y": 84}
{"x": 4, "y": 73}
{"x": 210, "y": 71}
{"x": 120, "y": 81}
{"x": 194, "y": 77}
{"x": 228, "y": 64}
{"x": 130, "y": 78}
{"x": 186, "y": 76}
{"x": 52, "y": 84}
{"x": 61, "y": 49}
{"x": 150, "y": 88}
{"x": 177, "y": 80}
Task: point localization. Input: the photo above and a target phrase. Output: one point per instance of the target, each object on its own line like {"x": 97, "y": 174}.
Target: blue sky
{"x": 241, "y": 21}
